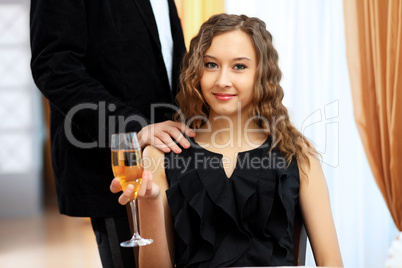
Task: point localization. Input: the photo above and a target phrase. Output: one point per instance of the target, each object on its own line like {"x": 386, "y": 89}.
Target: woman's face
{"x": 230, "y": 66}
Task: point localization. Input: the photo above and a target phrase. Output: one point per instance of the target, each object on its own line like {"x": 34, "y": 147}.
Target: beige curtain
{"x": 48, "y": 178}
{"x": 194, "y": 12}
{"x": 373, "y": 30}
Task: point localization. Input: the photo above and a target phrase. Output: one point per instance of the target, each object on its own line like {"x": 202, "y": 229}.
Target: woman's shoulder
{"x": 153, "y": 159}
{"x": 152, "y": 151}
{"x": 310, "y": 165}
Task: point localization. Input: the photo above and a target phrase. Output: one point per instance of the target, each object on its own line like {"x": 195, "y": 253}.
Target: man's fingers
{"x": 186, "y": 130}
{"x": 189, "y": 132}
{"x": 182, "y": 127}
{"x": 159, "y": 144}
{"x": 179, "y": 137}
{"x": 167, "y": 140}
{"x": 162, "y": 136}
{"x": 183, "y": 141}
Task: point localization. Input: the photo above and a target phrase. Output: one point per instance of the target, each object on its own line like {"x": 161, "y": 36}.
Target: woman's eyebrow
{"x": 239, "y": 58}
{"x": 208, "y": 56}
{"x": 242, "y": 58}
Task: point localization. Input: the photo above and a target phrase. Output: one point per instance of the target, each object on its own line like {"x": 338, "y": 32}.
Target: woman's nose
{"x": 223, "y": 79}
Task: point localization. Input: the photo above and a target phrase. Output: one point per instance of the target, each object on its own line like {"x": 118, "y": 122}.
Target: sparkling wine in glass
{"x": 127, "y": 166}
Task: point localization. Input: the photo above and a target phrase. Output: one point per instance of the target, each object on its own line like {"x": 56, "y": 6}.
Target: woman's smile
{"x": 224, "y": 96}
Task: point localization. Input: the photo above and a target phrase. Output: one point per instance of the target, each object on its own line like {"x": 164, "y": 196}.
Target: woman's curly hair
{"x": 267, "y": 108}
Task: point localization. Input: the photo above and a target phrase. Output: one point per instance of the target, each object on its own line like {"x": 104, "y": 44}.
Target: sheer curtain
{"x": 21, "y": 125}
{"x": 309, "y": 37}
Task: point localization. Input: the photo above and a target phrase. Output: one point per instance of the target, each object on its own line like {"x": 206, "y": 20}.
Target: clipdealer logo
{"x": 323, "y": 125}
{"x": 325, "y": 119}
{"x": 107, "y": 124}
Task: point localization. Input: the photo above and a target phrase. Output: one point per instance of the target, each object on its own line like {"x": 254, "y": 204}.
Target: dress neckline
{"x": 235, "y": 170}
{"x": 261, "y": 146}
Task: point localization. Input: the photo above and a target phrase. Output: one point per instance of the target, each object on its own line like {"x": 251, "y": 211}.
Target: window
{"x": 20, "y": 116}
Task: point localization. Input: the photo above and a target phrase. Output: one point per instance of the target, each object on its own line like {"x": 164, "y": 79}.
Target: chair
{"x": 299, "y": 239}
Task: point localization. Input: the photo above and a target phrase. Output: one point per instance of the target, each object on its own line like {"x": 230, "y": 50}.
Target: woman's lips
{"x": 223, "y": 96}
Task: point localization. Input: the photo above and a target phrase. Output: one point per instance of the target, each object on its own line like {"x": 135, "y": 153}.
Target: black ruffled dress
{"x": 244, "y": 220}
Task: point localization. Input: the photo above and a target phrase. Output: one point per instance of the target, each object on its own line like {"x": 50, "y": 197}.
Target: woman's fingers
{"x": 126, "y": 195}
{"x": 115, "y": 185}
{"x": 143, "y": 186}
{"x": 150, "y": 181}
{"x": 146, "y": 185}
{"x": 146, "y": 190}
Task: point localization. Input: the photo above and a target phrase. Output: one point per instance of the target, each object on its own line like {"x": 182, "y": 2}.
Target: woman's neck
{"x": 239, "y": 132}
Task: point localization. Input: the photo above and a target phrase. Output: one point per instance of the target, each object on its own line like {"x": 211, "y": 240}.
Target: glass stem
{"x": 136, "y": 234}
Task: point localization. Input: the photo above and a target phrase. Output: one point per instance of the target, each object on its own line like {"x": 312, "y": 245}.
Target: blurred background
{"x": 310, "y": 38}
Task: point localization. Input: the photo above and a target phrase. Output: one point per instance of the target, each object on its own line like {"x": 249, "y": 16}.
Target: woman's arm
{"x": 155, "y": 220}
{"x": 317, "y": 215}
{"x": 154, "y": 214}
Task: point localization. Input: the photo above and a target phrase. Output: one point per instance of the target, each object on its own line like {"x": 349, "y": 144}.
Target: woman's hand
{"x": 147, "y": 190}
{"x": 154, "y": 215}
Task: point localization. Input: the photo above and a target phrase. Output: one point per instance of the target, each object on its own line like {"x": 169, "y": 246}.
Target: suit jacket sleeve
{"x": 59, "y": 39}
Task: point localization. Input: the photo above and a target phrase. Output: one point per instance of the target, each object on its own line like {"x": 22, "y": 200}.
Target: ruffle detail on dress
{"x": 193, "y": 200}
{"x": 263, "y": 212}
{"x": 279, "y": 224}
{"x": 217, "y": 219}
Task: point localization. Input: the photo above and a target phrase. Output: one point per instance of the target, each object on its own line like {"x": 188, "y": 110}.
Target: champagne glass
{"x": 127, "y": 166}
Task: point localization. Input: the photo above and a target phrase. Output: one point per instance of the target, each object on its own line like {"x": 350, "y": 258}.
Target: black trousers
{"x": 109, "y": 233}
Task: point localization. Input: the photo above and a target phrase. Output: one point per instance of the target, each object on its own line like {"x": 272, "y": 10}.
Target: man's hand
{"x": 161, "y": 136}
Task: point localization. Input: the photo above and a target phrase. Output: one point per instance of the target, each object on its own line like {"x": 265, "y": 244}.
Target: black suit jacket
{"x": 98, "y": 62}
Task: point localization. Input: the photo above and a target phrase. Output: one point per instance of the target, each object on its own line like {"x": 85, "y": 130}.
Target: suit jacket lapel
{"x": 145, "y": 8}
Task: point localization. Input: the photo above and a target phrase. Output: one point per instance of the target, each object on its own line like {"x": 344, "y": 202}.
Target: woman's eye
{"x": 240, "y": 67}
{"x": 210, "y": 65}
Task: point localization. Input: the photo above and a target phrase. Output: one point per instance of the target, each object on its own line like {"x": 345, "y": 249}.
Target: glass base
{"x": 136, "y": 243}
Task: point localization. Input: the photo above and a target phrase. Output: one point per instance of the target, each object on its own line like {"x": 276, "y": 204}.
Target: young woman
{"x": 229, "y": 200}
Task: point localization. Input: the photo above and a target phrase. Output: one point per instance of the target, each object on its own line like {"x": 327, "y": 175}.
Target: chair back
{"x": 299, "y": 239}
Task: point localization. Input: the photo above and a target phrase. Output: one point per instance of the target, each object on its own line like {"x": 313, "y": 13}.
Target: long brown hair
{"x": 271, "y": 115}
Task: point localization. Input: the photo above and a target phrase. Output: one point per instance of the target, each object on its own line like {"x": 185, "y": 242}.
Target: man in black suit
{"x": 101, "y": 66}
